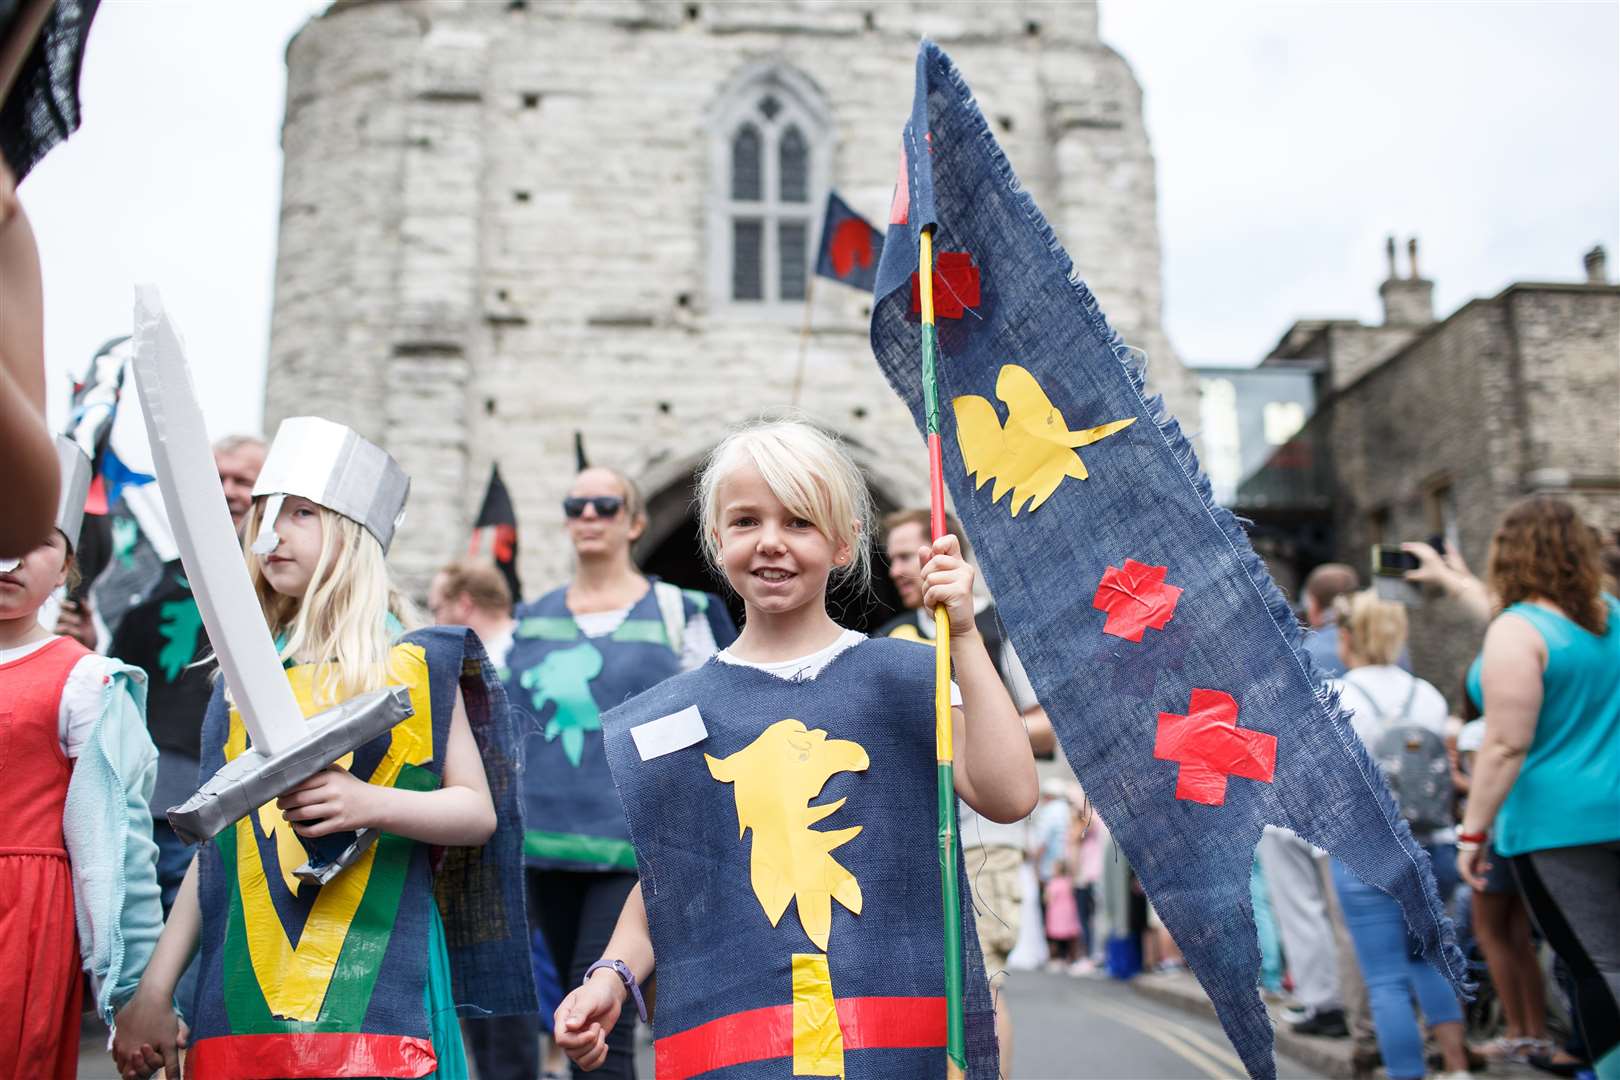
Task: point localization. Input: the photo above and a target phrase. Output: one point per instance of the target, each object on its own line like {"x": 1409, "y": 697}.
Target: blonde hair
{"x": 342, "y": 618}
{"x": 1376, "y": 628}
{"x": 809, "y": 471}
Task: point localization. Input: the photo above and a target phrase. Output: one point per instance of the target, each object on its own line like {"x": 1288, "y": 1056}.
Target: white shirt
{"x": 1382, "y": 688}
{"x": 810, "y": 665}
{"x": 1386, "y": 686}
{"x": 81, "y": 695}
{"x": 697, "y": 641}
{"x": 500, "y": 645}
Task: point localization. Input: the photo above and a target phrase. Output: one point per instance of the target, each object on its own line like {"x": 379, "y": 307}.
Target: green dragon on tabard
{"x": 181, "y": 629}
{"x": 563, "y": 678}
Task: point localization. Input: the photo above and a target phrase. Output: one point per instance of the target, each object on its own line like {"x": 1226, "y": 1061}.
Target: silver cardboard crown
{"x": 75, "y": 466}
{"x": 331, "y": 465}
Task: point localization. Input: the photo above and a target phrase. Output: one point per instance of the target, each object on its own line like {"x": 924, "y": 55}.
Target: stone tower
{"x": 506, "y": 221}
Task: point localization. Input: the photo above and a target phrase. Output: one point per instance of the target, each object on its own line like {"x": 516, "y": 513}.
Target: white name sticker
{"x": 669, "y": 733}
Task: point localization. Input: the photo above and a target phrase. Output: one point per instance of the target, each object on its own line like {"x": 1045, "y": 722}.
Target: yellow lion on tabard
{"x": 775, "y": 778}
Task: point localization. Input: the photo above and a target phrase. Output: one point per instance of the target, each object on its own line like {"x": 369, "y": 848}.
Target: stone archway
{"x": 672, "y": 550}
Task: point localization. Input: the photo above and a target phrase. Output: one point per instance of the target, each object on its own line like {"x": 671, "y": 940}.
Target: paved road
{"x": 1064, "y": 1029}
{"x": 1100, "y": 1029}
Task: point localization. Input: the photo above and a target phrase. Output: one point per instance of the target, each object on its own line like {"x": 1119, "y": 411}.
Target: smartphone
{"x": 1391, "y": 561}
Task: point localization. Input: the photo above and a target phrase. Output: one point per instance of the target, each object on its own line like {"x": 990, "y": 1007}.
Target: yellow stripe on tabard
{"x": 818, "y": 1042}
{"x": 294, "y": 980}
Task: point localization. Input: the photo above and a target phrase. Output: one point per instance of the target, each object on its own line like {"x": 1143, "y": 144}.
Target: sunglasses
{"x": 605, "y": 505}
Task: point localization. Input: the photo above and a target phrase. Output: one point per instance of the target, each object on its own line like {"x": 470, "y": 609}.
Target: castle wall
{"x": 496, "y": 231}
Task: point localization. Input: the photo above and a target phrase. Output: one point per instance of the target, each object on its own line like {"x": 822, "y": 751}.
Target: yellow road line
{"x": 1211, "y": 1066}
{"x": 1215, "y": 1049}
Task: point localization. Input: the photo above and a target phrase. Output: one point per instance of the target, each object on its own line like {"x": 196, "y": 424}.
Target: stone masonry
{"x": 1510, "y": 395}
{"x": 495, "y": 232}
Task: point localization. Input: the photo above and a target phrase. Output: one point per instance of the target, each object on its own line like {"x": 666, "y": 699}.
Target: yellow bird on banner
{"x": 1032, "y": 454}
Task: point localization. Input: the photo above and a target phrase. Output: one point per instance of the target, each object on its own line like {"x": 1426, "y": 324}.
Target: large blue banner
{"x": 1167, "y": 659}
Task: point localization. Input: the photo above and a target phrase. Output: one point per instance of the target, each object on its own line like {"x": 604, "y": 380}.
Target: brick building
{"x": 504, "y": 222}
{"x": 1433, "y": 428}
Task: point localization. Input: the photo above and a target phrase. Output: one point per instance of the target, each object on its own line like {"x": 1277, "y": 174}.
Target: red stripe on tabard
{"x": 892, "y": 1023}
{"x": 754, "y": 1035}
{"x": 870, "y": 1023}
{"x": 324, "y": 1053}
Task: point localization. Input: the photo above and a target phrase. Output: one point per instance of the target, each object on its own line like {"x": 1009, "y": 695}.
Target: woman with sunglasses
{"x": 579, "y": 650}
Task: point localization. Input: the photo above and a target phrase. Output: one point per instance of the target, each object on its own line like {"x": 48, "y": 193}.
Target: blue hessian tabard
{"x": 560, "y": 682}
{"x": 1168, "y": 660}
{"x": 786, "y": 839}
{"x": 297, "y": 979}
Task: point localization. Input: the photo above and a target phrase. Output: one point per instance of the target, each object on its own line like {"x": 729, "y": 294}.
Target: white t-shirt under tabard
{"x": 697, "y": 641}
{"x": 81, "y": 694}
{"x": 812, "y": 664}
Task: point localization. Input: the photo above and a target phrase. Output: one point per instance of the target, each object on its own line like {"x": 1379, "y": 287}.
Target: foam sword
{"x": 284, "y": 748}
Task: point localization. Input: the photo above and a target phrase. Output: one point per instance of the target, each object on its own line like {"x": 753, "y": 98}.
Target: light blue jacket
{"x": 107, "y": 825}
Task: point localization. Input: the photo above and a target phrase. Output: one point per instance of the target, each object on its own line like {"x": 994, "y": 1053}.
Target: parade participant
{"x": 77, "y": 880}
{"x": 1545, "y": 791}
{"x": 579, "y": 650}
{"x": 163, "y": 635}
{"x": 719, "y": 768}
{"x": 994, "y": 851}
{"x": 299, "y": 978}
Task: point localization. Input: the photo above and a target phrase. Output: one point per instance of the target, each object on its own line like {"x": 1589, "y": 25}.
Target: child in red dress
{"x": 78, "y": 867}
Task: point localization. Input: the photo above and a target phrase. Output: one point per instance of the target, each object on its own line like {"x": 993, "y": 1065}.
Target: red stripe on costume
{"x": 324, "y": 1053}
{"x": 892, "y": 1023}
{"x": 869, "y": 1023}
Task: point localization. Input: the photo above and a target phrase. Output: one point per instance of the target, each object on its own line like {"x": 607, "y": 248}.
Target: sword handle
{"x": 328, "y": 855}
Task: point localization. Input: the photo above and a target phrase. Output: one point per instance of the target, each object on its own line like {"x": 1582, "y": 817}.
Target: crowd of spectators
{"x": 1514, "y": 794}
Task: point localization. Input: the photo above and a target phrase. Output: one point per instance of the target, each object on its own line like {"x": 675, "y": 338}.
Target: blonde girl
{"x": 725, "y": 772}
{"x": 355, "y": 976}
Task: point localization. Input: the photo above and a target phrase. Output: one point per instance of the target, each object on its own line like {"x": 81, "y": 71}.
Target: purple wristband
{"x": 626, "y": 976}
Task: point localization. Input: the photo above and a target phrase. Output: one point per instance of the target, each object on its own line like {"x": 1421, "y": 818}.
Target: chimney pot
{"x": 1597, "y": 266}
{"x": 1408, "y": 301}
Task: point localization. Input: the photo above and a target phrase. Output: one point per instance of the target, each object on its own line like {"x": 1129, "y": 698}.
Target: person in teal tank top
{"x": 1546, "y": 783}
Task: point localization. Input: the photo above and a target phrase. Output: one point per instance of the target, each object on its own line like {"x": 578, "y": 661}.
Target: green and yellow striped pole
{"x": 944, "y": 752}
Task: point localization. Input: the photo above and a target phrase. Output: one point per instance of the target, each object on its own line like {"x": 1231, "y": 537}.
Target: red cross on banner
{"x": 956, "y": 285}
{"x": 1136, "y": 599}
{"x": 1210, "y": 747}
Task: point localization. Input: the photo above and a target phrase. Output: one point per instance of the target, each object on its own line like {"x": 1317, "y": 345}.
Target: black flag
{"x": 495, "y": 532}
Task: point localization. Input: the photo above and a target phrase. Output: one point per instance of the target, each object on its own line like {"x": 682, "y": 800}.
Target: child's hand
{"x": 585, "y": 1016}
{"x": 331, "y": 801}
{"x": 147, "y": 1036}
{"x": 948, "y": 580}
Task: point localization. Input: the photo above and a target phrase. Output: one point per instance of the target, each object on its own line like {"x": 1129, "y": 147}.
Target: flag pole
{"x": 804, "y": 337}
{"x": 944, "y": 752}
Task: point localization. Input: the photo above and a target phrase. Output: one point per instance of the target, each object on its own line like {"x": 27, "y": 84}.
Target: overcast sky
{"x": 1290, "y": 139}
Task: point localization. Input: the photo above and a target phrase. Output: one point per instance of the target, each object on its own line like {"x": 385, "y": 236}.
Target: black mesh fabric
{"x": 42, "y": 108}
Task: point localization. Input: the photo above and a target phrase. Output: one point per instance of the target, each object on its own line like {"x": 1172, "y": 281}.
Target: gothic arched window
{"x": 771, "y": 139}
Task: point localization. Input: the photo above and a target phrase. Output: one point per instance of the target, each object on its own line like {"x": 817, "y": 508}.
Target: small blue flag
{"x": 850, "y": 246}
{"x": 1167, "y": 659}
